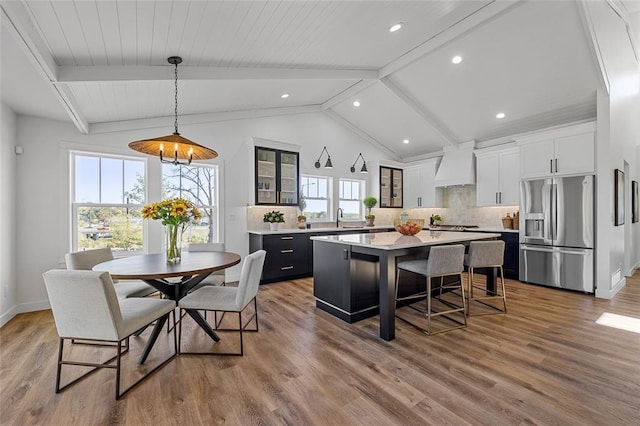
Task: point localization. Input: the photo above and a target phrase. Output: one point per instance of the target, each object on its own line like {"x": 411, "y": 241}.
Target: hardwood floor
{"x": 546, "y": 362}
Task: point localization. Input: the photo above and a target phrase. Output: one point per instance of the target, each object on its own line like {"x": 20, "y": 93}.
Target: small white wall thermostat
{"x": 19, "y": 150}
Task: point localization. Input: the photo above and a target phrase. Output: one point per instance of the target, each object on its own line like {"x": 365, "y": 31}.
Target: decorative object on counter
{"x": 408, "y": 226}
{"x": 619, "y": 197}
{"x": 364, "y": 165}
{"x": 302, "y": 222}
{"x": 328, "y": 164}
{"x": 634, "y": 201}
{"x": 516, "y": 220}
{"x": 175, "y": 214}
{"x": 435, "y": 219}
{"x": 369, "y": 203}
{"x": 183, "y": 148}
{"x": 507, "y": 221}
{"x": 273, "y": 218}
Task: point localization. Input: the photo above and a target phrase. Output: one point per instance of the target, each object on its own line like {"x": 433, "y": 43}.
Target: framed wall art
{"x": 634, "y": 202}
{"x": 618, "y": 177}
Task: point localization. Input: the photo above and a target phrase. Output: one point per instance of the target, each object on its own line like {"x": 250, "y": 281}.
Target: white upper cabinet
{"x": 497, "y": 177}
{"x": 561, "y": 152}
{"x": 419, "y": 185}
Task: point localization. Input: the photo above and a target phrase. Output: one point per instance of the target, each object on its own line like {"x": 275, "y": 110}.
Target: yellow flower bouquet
{"x": 175, "y": 214}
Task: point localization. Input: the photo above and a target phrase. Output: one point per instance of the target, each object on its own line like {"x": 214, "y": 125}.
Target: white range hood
{"x": 458, "y": 166}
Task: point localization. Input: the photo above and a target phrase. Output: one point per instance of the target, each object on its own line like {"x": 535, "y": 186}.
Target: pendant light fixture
{"x": 177, "y": 147}
{"x": 328, "y": 164}
{"x": 364, "y": 165}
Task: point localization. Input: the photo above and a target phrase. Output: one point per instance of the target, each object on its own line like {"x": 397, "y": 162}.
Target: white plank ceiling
{"x": 105, "y": 62}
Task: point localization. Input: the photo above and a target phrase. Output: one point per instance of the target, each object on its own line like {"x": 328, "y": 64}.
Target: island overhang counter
{"x": 351, "y": 269}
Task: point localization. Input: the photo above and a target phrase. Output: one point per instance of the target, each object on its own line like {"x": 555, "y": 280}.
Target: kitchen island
{"x": 350, "y": 270}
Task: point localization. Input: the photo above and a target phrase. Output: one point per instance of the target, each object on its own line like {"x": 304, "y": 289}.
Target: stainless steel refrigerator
{"x": 557, "y": 232}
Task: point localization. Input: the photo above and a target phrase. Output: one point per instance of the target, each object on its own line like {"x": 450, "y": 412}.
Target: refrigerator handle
{"x": 554, "y": 212}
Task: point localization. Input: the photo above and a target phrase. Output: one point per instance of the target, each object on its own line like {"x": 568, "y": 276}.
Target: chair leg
{"x": 60, "y": 349}
{"x": 429, "y": 304}
{"x": 255, "y": 308}
{"x": 240, "y": 327}
{"x": 504, "y": 293}
{"x": 118, "y": 365}
{"x": 464, "y": 306}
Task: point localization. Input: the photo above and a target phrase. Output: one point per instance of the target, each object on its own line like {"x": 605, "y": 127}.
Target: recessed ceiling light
{"x": 395, "y": 27}
{"x": 500, "y": 115}
{"x": 405, "y": 141}
{"x": 284, "y": 96}
{"x": 456, "y": 59}
{"x": 356, "y": 103}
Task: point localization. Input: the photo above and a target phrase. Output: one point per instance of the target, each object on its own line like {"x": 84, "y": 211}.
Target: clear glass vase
{"x": 173, "y": 242}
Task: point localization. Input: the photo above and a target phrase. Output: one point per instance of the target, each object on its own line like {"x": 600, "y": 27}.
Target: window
{"x": 107, "y": 196}
{"x": 350, "y": 198}
{"x": 315, "y": 200}
{"x": 198, "y": 184}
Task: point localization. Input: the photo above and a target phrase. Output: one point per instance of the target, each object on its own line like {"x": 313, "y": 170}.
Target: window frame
{"x": 75, "y": 206}
{"x": 361, "y": 194}
{"x": 328, "y": 200}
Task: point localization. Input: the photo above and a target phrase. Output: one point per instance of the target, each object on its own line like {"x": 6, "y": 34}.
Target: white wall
{"x": 618, "y": 133}
{"x": 43, "y": 179}
{"x": 8, "y": 282}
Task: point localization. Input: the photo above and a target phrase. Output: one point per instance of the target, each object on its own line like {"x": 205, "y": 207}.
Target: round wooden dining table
{"x": 157, "y": 272}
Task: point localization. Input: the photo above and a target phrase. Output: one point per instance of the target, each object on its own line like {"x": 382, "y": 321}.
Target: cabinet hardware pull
{"x": 497, "y": 198}
{"x": 286, "y": 268}
{"x": 286, "y": 251}
{"x": 500, "y": 196}
{"x": 556, "y": 165}
{"x": 286, "y": 238}
{"x": 551, "y": 166}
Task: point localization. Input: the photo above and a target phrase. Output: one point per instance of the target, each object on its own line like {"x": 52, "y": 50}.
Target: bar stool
{"x": 442, "y": 261}
{"x": 485, "y": 254}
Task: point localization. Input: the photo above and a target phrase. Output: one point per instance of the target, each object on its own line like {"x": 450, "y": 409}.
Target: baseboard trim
{"x": 8, "y": 316}
{"x": 610, "y": 293}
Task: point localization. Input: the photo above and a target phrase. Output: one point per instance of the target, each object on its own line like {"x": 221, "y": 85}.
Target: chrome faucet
{"x": 338, "y": 217}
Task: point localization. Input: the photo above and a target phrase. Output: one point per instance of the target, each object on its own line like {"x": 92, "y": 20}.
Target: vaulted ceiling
{"x": 103, "y": 65}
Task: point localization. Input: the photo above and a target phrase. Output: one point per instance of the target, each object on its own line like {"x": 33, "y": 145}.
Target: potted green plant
{"x": 435, "y": 219}
{"x": 369, "y": 203}
{"x": 273, "y": 218}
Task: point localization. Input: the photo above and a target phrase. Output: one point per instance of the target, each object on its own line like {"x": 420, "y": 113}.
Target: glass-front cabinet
{"x": 390, "y": 187}
{"x": 277, "y": 177}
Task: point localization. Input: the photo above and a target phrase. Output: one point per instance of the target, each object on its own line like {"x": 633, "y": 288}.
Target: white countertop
{"x": 307, "y": 231}
{"x": 395, "y": 240}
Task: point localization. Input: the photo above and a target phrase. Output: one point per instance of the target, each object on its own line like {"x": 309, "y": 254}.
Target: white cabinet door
{"x": 574, "y": 154}
{"x": 536, "y": 159}
{"x": 509, "y": 194}
{"x": 412, "y": 184}
{"x": 487, "y": 180}
{"x": 430, "y": 196}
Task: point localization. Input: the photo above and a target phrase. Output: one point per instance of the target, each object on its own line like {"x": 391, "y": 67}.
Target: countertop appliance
{"x": 557, "y": 232}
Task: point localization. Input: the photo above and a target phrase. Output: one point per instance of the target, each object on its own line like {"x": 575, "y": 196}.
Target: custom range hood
{"x": 458, "y": 166}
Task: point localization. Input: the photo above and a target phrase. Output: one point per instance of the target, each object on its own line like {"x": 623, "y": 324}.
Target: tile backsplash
{"x": 459, "y": 208}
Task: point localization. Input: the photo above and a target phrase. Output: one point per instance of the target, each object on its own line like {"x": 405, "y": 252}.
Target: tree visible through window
{"x": 198, "y": 184}
{"x": 105, "y": 214}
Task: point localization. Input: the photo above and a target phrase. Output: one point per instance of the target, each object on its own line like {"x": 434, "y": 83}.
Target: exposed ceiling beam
{"x": 358, "y": 131}
{"x": 346, "y": 94}
{"x": 17, "y": 20}
{"x": 73, "y": 74}
{"x": 479, "y": 17}
{"x": 151, "y": 123}
{"x": 423, "y": 112}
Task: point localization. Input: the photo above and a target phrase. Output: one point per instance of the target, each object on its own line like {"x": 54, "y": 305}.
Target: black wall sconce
{"x": 328, "y": 164}
{"x": 364, "y": 165}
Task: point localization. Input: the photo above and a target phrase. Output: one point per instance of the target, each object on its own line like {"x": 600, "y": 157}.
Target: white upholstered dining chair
{"x": 85, "y": 306}
{"x": 86, "y": 260}
{"x": 229, "y": 299}
{"x": 216, "y": 278}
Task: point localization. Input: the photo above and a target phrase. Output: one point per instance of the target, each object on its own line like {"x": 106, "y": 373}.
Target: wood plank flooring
{"x": 546, "y": 362}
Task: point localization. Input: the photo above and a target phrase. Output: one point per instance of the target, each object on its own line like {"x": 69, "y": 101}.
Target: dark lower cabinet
{"x": 350, "y": 286}
{"x": 287, "y": 255}
{"x": 511, "y": 254}
{"x": 290, "y": 256}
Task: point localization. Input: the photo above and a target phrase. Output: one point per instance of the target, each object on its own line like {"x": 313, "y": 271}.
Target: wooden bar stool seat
{"x": 442, "y": 261}
{"x": 485, "y": 254}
